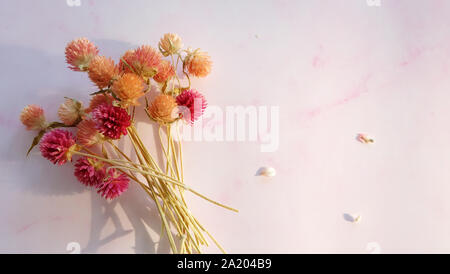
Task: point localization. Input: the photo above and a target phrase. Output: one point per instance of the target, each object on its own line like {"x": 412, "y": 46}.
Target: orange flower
{"x": 99, "y": 99}
{"x": 129, "y": 88}
{"x": 162, "y": 107}
{"x": 143, "y": 61}
{"x": 70, "y": 111}
{"x": 102, "y": 70}
{"x": 87, "y": 134}
{"x": 165, "y": 72}
{"x": 198, "y": 63}
{"x": 32, "y": 116}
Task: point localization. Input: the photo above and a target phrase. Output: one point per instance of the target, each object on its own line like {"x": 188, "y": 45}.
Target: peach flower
{"x": 162, "y": 107}
{"x": 198, "y": 63}
{"x": 102, "y": 71}
{"x": 129, "y": 88}
{"x": 32, "y": 116}
{"x": 169, "y": 44}
{"x": 70, "y": 111}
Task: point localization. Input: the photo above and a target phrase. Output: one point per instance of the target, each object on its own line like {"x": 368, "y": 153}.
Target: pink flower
{"x": 111, "y": 121}
{"x": 144, "y": 61}
{"x": 87, "y": 134}
{"x": 89, "y": 172}
{"x": 114, "y": 184}
{"x": 58, "y": 146}
{"x": 79, "y": 54}
{"x": 32, "y": 116}
{"x": 165, "y": 72}
{"x": 194, "y": 101}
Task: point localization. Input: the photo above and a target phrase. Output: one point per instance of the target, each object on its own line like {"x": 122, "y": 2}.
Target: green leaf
{"x": 36, "y": 141}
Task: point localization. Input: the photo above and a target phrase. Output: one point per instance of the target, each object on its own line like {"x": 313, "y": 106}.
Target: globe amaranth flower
{"x": 143, "y": 61}
{"x": 198, "y": 63}
{"x": 162, "y": 109}
{"x": 165, "y": 72}
{"x": 194, "y": 104}
{"x": 89, "y": 171}
{"x": 79, "y": 54}
{"x": 58, "y": 146}
{"x": 32, "y": 116}
{"x": 70, "y": 112}
{"x": 113, "y": 185}
{"x": 87, "y": 134}
{"x": 99, "y": 99}
{"x": 102, "y": 71}
{"x": 129, "y": 88}
{"x": 111, "y": 121}
{"x": 169, "y": 44}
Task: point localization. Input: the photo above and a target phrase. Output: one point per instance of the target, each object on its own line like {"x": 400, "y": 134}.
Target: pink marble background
{"x": 335, "y": 68}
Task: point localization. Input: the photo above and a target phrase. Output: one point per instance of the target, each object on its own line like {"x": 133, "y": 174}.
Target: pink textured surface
{"x": 335, "y": 69}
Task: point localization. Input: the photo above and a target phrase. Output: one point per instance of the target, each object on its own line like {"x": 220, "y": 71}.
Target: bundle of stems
{"x": 166, "y": 187}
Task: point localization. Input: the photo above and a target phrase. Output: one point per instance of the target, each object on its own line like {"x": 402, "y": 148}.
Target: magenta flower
{"x": 194, "y": 101}
{"x": 111, "y": 121}
{"x": 56, "y": 146}
{"x": 89, "y": 172}
{"x": 113, "y": 185}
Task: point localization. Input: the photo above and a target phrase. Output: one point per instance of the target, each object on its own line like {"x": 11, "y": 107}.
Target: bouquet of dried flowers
{"x": 122, "y": 88}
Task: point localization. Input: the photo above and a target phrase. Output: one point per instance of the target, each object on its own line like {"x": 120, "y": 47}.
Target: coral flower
{"x": 110, "y": 120}
{"x": 194, "y": 102}
{"x": 114, "y": 184}
{"x": 170, "y": 43}
{"x": 99, "y": 99}
{"x": 32, "y": 116}
{"x": 89, "y": 172}
{"x": 58, "y": 146}
{"x": 102, "y": 71}
{"x": 162, "y": 108}
{"x": 165, "y": 72}
{"x": 70, "y": 111}
{"x": 79, "y": 54}
{"x": 129, "y": 88}
{"x": 87, "y": 134}
{"x": 143, "y": 61}
{"x": 198, "y": 63}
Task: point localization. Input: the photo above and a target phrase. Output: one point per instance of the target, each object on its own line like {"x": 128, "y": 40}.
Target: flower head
{"x": 113, "y": 185}
{"x": 79, "y": 54}
{"x": 129, "y": 88}
{"x": 89, "y": 171}
{"x": 70, "y": 111}
{"x": 162, "y": 107}
{"x": 170, "y": 43}
{"x": 143, "y": 61}
{"x": 110, "y": 120}
{"x": 87, "y": 134}
{"x": 32, "y": 116}
{"x": 194, "y": 101}
{"x": 102, "y": 71}
{"x": 97, "y": 100}
{"x": 58, "y": 146}
{"x": 198, "y": 63}
{"x": 165, "y": 72}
